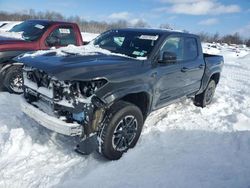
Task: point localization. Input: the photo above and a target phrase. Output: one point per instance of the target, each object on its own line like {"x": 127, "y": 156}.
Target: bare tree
{"x": 233, "y": 39}
{"x": 247, "y": 42}
{"x": 215, "y": 37}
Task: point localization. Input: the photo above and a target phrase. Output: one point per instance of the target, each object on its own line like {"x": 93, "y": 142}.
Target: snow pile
{"x": 225, "y": 49}
{"x": 70, "y": 49}
{"x": 210, "y": 48}
{"x": 14, "y": 35}
{"x": 86, "y": 50}
{"x": 181, "y": 145}
{"x": 87, "y": 37}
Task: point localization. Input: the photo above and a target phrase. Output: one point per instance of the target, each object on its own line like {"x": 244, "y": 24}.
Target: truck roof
{"x": 155, "y": 31}
{"x": 50, "y": 22}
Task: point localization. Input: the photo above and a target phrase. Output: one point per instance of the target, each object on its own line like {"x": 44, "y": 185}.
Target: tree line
{"x": 229, "y": 39}
{"x": 98, "y": 27}
{"x": 84, "y": 25}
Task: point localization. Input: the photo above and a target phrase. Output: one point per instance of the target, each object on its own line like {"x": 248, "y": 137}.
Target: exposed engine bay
{"x": 69, "y": 101}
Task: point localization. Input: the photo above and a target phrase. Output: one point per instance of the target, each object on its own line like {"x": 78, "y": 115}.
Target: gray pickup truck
{"x": 105, "y": 98}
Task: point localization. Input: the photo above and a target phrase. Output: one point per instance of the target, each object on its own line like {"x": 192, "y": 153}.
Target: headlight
{"x": 89, "y": 88}
{"x": 73, "y": 90}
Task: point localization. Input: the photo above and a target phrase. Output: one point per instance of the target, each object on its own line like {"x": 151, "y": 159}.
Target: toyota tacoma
{"x": 104, "y": 95}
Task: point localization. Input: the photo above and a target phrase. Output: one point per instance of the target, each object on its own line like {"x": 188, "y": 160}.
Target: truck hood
{"x": 8, "y": 43}
{"x": 83, "y": 67}
{"x": 8, "y": 39}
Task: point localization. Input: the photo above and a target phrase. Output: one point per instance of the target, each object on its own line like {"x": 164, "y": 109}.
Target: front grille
{"x": 38, "y": 81}
{"x": 39, "y": 77}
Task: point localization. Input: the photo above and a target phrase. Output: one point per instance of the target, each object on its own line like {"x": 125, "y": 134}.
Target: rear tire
{"x": 206, "y": 97}
{"x": 13, "y": 80}
{"x": 120, "y": 130}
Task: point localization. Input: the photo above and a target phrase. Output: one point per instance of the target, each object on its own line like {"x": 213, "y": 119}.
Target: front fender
{"x": 6, "y": 60}
{"x": 7, "y": 56}
{"x": 4, "y": 68}
{"x": 117, "y": 94}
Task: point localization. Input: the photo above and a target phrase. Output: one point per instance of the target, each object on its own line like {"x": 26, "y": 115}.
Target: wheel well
{"x": 5, "y": 66}
{"x": 216, "y": 77}
{"x": 141, "y": 100}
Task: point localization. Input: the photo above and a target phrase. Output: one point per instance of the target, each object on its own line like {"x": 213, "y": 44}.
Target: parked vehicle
{"x": 31, "y": 35}
{"x": 105, "y": 98}
{"x": 8, "y": 25}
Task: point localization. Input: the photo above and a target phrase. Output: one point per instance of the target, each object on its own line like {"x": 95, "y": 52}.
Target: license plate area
{"x": 41, "y": 102}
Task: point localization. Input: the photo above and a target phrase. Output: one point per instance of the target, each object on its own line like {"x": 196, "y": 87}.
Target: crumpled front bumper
{"x": 50, "y": 122}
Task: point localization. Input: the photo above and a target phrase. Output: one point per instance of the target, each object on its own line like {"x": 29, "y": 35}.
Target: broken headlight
{"x": 73, "y": 90}
{"x": 87, "y": 89}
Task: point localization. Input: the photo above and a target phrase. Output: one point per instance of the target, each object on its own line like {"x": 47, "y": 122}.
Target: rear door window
{"x": 190, "y": 49}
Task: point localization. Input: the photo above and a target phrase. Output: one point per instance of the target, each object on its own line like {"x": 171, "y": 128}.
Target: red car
{"x": 32, "y": 35}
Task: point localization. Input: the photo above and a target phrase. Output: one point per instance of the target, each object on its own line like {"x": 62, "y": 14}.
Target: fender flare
{"x": 206, "y": 79}
{"x": 7, "y": 66}
{"x": 118, "y": 94}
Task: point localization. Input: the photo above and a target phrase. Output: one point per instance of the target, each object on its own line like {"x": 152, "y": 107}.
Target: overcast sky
{"x": 224, "y": 16}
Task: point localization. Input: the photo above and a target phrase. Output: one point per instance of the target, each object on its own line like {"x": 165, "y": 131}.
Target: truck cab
{"x": 32, "y": 35}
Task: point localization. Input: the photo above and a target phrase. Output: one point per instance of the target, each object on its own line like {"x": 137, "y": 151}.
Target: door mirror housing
{"x": 52, "y": 41}
{"x": 168, "y": 57}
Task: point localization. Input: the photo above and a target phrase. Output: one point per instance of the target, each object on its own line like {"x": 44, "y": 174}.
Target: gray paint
{"x": 163, "y": 83}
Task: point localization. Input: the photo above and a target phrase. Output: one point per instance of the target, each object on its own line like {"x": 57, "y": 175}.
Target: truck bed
{"x": 213, "y": 59}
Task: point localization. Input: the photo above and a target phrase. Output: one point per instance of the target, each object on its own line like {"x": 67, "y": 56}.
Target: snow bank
{"x": 226, "y": 50}
{"x": 71, "y": 49}
{"x": 181, "y": 145}
{"x": 86, "y": 50}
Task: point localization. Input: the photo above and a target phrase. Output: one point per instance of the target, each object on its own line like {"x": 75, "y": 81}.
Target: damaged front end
{"x": 67, "y": 103}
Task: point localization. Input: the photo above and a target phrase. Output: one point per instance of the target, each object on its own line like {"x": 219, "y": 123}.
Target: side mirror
{"x": 168, "y": 57}
{"x": 52, "y": 41}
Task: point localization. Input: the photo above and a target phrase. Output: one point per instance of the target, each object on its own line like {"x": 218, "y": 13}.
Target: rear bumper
{"x": 50, "y": 122}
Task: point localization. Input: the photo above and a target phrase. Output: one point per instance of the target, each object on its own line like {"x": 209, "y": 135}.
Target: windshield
{"x": 131, "y": 43}
{"x": 31, "y": 30}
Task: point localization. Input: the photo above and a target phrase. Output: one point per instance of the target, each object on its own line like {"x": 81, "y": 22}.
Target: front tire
{"x": 206, "y": 97}
{"x": 120, "y": 130}
{"x": 13, "y": 80}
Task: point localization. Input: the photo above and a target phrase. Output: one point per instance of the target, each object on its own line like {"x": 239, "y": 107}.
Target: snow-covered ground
{"x": 181, "y": 145}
